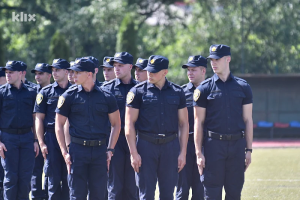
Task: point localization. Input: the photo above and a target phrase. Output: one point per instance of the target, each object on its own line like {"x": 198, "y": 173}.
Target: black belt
{"x": 16, "y": 131}
{"x": 225, "y": 136}
{"x": 90, "y": 143}
{"x": 157, "y": 139}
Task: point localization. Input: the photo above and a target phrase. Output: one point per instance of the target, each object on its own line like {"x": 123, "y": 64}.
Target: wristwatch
{"x": 112, "y": 150}
{"x": 249, "y": 150}
{"x": 36, "y": 140}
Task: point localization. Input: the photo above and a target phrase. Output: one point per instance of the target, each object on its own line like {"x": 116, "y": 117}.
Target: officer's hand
{"x": 247, "y": 160}
{"x": 136, "y": 161}
{"x": 201, "y": 163}
{"x": 109, "y": 155}
{"x": 181, "y": 162}
{"x": 44, "y": 150}
{"x": 36, "y": 148}
{"x": 67, "y": 158}
{"x": 2, "y": 149}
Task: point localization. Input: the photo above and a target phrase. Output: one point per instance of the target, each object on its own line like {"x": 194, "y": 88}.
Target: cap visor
{"x": 139, "y": 66}
{"x": 152, "y": 70}
{"x": 215, "y": 56}
{"x": 108, "y": 66}
{"x": 189, "y": 65}
{"x": 9, "y": 68}
{"x": 74, "y": 68}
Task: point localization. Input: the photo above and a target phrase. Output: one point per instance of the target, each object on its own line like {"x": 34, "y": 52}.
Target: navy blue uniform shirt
{"x": 87, "y": 111}
{"x": 120, "y": 90}
{"x": 158, "y": 109}
{"x": 16, "y": 106}
{"x": 31, "y": 84}
{"x": 46, "y": 102}
{"x": 98, "y": 83}
{"x": 224, "y": 103}
{"x": 189, "y": 91}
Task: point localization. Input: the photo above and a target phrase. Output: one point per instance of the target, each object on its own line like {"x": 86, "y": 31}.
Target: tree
{"x": 126, "y": 38}
{"x": 58, "y": 47}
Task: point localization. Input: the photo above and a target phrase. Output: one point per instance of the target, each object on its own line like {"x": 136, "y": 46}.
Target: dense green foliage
{"x": 263, "y": 34}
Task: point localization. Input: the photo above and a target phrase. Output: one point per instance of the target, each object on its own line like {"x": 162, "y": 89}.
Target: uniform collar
{"x": 190, "y": 85}
{"x": 216, "y": 77}
{"x": 118, "y": 81}
{"x": 80, "y": 88}
{"x": 55, "y": 84}
{"x": 151, "y": 85}
{"x": 9, "y": 86}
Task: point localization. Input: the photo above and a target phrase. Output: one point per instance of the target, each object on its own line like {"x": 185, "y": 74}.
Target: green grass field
{"x": 273, "y": 175}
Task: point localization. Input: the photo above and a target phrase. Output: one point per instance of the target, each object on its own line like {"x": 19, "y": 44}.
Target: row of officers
{"x": 115, "y": 140}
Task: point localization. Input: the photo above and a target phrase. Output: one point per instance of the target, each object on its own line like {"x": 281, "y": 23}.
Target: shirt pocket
{"x": 237, "y": 98}
{"x": 150, "y": 106}
{"x": 9, "y": 102}
{"x": 172, "y": 106}
{"x": 101, "y": 109}
{"x": 215, "y": 102}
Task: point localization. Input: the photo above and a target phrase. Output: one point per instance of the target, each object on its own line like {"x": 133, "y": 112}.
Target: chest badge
{"x": 196, "y": 94}
{"x": 130, "y": 97}
{"x": 39, "y": 99}
{"x": 61, "y": 101}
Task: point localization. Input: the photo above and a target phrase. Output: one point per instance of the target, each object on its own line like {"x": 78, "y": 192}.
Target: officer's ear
{"x": 96, "y": 70}
{"x": 228, "y": 59}
{"x": 165, "y": 72}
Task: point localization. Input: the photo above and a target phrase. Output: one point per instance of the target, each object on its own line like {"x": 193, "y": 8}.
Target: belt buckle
{"x": 209, "y": 133}
{"x": 84, "y": 142}
{"x": 163, "y": 135}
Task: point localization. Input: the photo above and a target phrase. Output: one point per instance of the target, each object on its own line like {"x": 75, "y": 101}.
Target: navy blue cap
{"x": 15, "y": 66}
{"x": 141, "y": 63}
{"x": 218, "y": 51}
{"x": 106, "y": 62}
{"x": 83, "y": 65}
{"x": 196, "y": 61}
{"x": 93, "y": 59}
{"x": 41, "y": 67}
{"x": 122, "y": 57}
{"x": 2, "y": 72}
{"x": 157, "y": 63}
{"x": 60, "y": 64}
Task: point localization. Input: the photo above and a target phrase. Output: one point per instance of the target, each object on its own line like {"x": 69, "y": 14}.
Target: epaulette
{"x": 140, "y": 84}
{"x": 109, "y": 82}
{"x": 184, "y": 85}
{"x": 72, "y": 88}
{"x": 177, "y": 86}
{"x": 205, "y": 81}
{"x": 240, "y": 79}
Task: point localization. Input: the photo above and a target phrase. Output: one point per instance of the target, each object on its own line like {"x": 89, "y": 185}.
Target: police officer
{"x": 121, "y": 181}
{"x": 71, "y": 74}
{"x": 140, "y": 73}
{"x": 157, "y": 109}
{"x": 18, "y": 143}
{"x": 223, "y": 105}
{"x": 24, "y": 80}
{"x": 96, "y": 63}
{"x": 45, "y": 106}
{"x": 2, "y": 76}
{"x": 189, "y": 177}
{"x": 2, "y": 82}
{"x": 88, "y": 109}
{"x": 108, "y": 69}
{"x": 42, "y": 77}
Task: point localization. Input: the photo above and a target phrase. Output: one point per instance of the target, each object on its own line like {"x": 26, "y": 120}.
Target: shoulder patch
{"x": 39, "y": 98}
{"x": 130, "y": 97}
{"x": 61, "y": 101}
{"x": 196, "y": 94}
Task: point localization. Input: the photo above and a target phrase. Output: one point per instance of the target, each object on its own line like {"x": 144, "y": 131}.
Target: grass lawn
{"x": 274, "y": 174}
